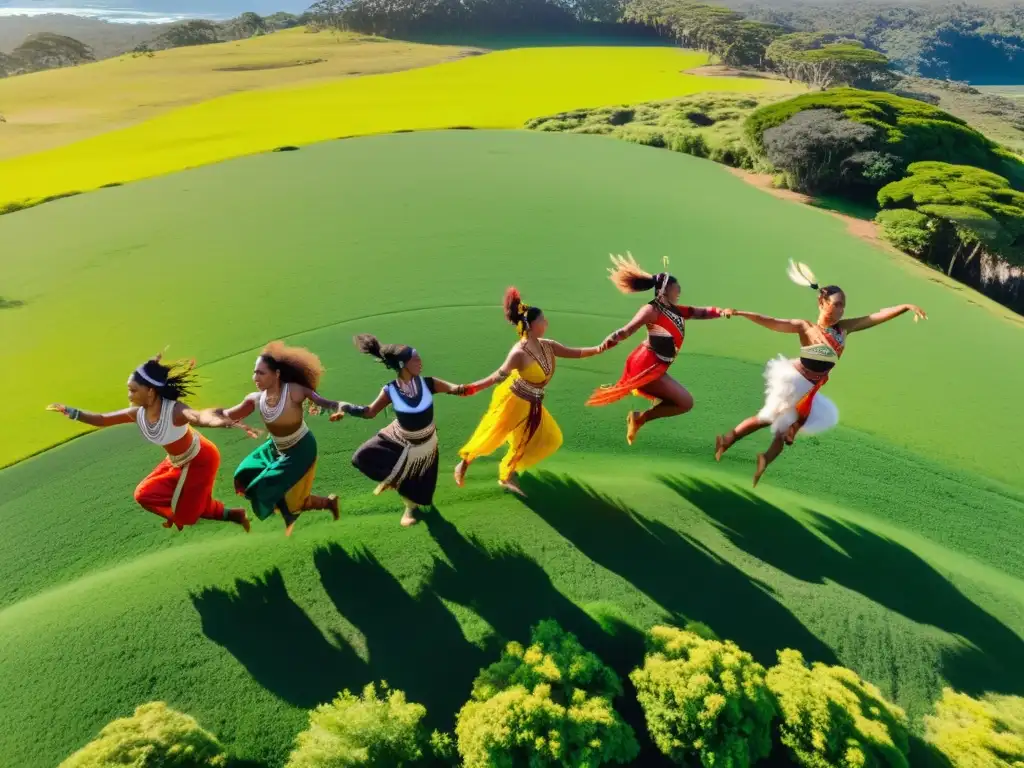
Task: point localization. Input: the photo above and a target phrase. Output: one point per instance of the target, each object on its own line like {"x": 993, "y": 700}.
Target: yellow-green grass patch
{"x": 497, "y": 90}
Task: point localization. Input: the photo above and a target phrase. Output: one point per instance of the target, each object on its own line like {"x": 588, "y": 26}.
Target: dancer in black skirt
{"x": 403, "y": 455}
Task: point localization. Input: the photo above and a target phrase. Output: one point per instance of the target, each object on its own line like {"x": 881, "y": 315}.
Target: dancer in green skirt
{"x": 278, "y": 476}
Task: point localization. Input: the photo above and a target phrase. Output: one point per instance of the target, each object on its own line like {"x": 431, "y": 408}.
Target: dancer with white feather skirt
{"x": 793, "y": 402}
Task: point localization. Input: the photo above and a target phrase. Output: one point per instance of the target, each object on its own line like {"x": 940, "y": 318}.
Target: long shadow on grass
{"x": 872, "y": 565}
{"x": 511, "y": 592}
{"x": 414, "y": 641}
{"x": 279, "y": 645}
{"x": 672, "y": 569}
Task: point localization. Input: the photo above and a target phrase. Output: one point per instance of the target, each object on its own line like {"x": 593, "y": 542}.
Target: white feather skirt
{"x": 784, "y": 386}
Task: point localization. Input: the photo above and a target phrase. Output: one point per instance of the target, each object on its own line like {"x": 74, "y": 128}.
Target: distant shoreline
{"x": 112, "y": 15}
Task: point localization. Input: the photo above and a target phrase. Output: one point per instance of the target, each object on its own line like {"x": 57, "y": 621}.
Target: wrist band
{"x": 74, "y": 413}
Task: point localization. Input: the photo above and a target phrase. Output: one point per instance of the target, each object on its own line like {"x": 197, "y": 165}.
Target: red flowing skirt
{"x": 642, "y": 367}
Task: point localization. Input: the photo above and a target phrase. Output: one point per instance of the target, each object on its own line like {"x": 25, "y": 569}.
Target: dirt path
{"x": 865, "y": 230}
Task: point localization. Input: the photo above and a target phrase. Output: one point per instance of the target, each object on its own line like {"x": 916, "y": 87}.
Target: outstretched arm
{"x": 511, "y": 364}
{"x": 560, "y": 350}
{"x": 362, "y": 411}
{"x": 704, "y": 313}
{"x": 239, "y": 412}
{"x": 855, "y": 324}
{"x": 209, "y": 417}
{"x": 774, "y": 323}
{"x": 442, "y": 387}
{"x": 127, "y": 416}
{"x": 644, "y": 315}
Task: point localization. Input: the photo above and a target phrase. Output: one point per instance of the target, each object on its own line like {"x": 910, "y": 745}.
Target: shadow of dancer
{"x": 414, "y": 642}
{"x": 279, "y": 645}
{"x": 510, "y": 591}
{"x": 676, "y": 572}
{"x": 871, "y": 565}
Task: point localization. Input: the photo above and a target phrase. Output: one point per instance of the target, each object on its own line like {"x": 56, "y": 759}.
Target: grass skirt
{"x": 274, "y": 479}
{"x": 403, "y": 461}
{"x": 785, "y": 386}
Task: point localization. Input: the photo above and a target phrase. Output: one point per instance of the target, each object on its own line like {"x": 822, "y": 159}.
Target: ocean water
{"x": 149, "y": 11}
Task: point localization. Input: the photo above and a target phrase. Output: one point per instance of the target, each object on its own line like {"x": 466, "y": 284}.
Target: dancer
{"x": 180, "y": 488}
{"x": 793, "y": 402}
{"x": 646, "y": 372}
{"x": 279, "y": 474}
{"x": 517, "y": 414}
{"x": 402, "y": 456}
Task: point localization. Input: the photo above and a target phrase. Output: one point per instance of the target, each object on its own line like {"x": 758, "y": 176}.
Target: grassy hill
{"x": 54, "y": 108}
{"x": 498, "y": 90}
{"x": 890, "y": 545}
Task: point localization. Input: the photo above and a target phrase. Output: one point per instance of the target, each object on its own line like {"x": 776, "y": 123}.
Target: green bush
{"x": 705, "y": 699}
{"x": 907, "y": 128}
{"x": 547, "y": 704}
{"x": 910, "y": 231}
{"x": 973, "y": 733}
{"x": 155, "y": 736}
{"x": 833, "y": 719}
{"x": 366, "y": 730}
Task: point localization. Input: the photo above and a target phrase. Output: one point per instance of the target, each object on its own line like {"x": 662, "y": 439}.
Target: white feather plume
{"x": 801, "y": 274}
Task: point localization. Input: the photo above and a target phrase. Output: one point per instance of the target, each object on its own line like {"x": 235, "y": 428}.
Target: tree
{"x": 978, "y": 733}
{"x": 973, "y": 210}
{"x": 546, "y": 705}
{"x": 811, "y": 146}
{"x": 704, "y": 699}
{"x": 249, "y": 24}
{"x": 825, "y": 59}
{"x": 831, "y": 718}
{"x": 50, "y": 51}
{"x": 192, "y": 32}
{"x": 366, "y": 730}
{"x": 155, "y": 735}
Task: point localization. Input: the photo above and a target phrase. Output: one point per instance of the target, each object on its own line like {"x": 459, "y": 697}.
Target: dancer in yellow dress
{"x": 517, "y": 415}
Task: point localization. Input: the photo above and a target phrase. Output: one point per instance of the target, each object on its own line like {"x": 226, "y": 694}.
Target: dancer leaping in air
{"x": 279, "y": 474}
{"x": 517, "y": 415}
{"x": 793, "y": 402}
{"x": 403, "y": 456}
{"x": 180, "y": 488}
{"x": 646, "y": 372}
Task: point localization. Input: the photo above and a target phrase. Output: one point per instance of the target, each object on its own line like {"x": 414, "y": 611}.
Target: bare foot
{"x": 720, "y": 447}
{"x": 632, "y": 426}
{"x": 460, "y": 472}
{"x": 409, "y": 519}
{"x": 289, "y": 528}
{"x": 762, "y": 465}
{"x": 167, "y": 524}
{"x": 334, "y": 506}
{"x": 238, "y": 517}
{"x": 512, "y": 484}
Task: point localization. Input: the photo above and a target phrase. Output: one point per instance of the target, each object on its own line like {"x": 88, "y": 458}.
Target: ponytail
{"x": 393, "y": 356}
{"x": 801, "y": 274}
{"x": 630, "y": 278}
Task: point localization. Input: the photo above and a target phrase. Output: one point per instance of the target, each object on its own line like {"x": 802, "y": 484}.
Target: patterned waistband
{"x": 420, "y": 436}
{"x": 524, "y": 390}
{"x": 658, "y": 355}
{"x": 190, "y": 453}
{"x": 812, "y": 376}
{"x": 290, "y": 441}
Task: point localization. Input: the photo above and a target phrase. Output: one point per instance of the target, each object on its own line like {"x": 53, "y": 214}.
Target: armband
{"x": 355, "y": 410}
{"x": 73, "y": 413}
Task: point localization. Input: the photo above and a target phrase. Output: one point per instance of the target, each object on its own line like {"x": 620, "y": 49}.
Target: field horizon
{"x": 912, "y": 482}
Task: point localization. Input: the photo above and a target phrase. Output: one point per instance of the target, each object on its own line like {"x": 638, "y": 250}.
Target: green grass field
{"x": 56, "y": 107}
{"x": 890, "y": 545}
{"x": 502, "y": 89}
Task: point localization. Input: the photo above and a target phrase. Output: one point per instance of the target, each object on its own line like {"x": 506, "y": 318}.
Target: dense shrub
{"x": 155, "y": 736}
{"x": 977, "y": 208}
{"x": 833, "y": 719}
{"x": 811, "y": 146}
{"x": 365, "y": 730}
{"x": 705, "y": 699}
{"x": 907, "y": 230}
{"x": 910, "y": 129}
{"x": 547, "y": 704}
{"x": 973, "y": 733}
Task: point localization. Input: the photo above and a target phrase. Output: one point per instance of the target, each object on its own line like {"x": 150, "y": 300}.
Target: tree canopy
{"x": 825, "y": 59}
{"x": 47, "y": 50}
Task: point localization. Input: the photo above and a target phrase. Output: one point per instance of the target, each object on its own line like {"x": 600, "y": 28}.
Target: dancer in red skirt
{"x": 180, "y": 488}
{"x": 646, "y": 372}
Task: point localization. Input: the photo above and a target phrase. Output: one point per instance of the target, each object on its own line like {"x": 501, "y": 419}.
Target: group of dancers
{"x": 278, "y": 476}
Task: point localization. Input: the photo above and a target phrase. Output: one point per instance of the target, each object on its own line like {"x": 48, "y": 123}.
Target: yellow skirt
{"x": 506, "y": 421}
